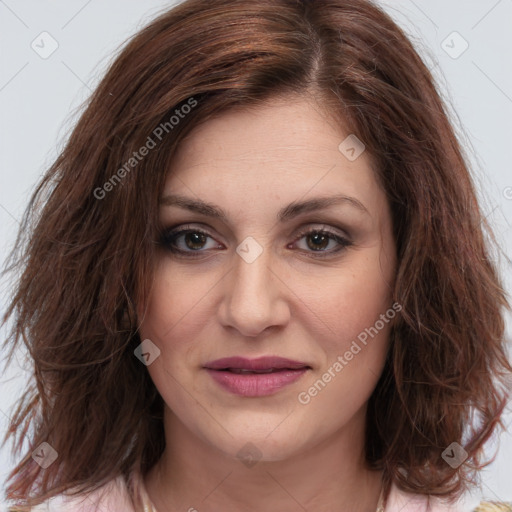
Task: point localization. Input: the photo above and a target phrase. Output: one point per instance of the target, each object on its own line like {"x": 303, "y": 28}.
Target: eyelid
{"x": 343, "y": 240}
{"x": 322, "y": 227}
{"x": 180, "y": 229}
{"x": 311, "y": 226}
{"x": 341, "y": 237}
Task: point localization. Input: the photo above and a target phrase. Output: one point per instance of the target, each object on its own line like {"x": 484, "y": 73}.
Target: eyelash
{"x": 169, "y": 237}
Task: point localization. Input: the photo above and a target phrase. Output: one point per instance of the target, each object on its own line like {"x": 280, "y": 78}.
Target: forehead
{"x": 280, "y": 128}
{"x": 278, "y": 152}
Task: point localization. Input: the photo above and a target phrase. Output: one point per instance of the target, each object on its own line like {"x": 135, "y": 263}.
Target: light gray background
{"x": 38, "y": 98}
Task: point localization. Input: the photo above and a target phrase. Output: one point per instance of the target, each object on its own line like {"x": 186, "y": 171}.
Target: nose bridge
{"x": 251, "y": 274}
{"x": 253, "y": 299}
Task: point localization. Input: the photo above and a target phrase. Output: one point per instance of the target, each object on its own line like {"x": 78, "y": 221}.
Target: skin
{"x": 289, "y": 302}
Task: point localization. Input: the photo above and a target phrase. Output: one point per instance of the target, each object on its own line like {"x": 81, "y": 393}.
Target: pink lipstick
{"x": 255, "y": 377}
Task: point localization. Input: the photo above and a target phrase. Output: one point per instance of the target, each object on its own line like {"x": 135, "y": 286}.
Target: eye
{"x": 192, "y": 242}
{"x": 323, "y": 241}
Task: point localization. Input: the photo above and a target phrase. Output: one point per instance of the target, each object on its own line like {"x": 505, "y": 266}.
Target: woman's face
{"x": 288, "y": 253}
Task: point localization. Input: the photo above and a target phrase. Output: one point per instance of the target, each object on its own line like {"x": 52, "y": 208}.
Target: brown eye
{"x": 322, "y": 241}
{"x": 194, "y": 240}
{"x": 188, "y": 242}
{"x": 318, "y": 241}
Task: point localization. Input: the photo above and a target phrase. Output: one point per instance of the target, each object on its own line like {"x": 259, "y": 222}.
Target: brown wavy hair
{"x": 86, "y": 249}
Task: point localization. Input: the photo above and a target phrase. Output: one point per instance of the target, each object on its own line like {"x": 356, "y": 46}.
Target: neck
{"x": 193, "y": 475}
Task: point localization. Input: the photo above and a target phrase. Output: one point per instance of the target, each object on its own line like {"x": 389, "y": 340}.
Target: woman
{"x": 257, "y": 279}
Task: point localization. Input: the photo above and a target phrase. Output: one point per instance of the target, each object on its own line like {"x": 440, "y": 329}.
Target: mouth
{"x": 243, "y": 371}
{"x": 255, "y": 377}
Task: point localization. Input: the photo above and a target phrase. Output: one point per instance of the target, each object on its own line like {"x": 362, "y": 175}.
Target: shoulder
{"x": 111, "y": 497}
{"x": 401, "y": 501}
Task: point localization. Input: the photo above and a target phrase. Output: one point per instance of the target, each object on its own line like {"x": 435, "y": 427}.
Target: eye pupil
{"x": 195, "y": 239}
{"x": 188, "y": 241}
{"x": 318, "y": 238}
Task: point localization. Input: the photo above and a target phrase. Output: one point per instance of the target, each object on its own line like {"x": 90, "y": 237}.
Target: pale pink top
{"x": 114, "y": 497}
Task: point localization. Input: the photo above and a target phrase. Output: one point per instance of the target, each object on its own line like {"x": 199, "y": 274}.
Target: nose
{"x": 255, "y": 297}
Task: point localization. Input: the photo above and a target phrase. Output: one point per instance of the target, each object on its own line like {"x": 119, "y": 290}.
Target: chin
{"x": 260, "y": 443}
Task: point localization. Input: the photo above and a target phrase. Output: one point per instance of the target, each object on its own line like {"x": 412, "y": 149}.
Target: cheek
{"x": 354, "y": 340}
{"x": 349, "y": 301}
{"x": 175, "y": 315}
{"x": 357, "y": 307}
{"x": 177, "y": 305}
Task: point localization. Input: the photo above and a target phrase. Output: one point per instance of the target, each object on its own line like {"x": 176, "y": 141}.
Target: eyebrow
{"x": 287, "y": 213}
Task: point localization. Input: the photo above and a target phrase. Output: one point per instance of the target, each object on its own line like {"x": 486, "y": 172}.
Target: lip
{"x": 276, "y": 373}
